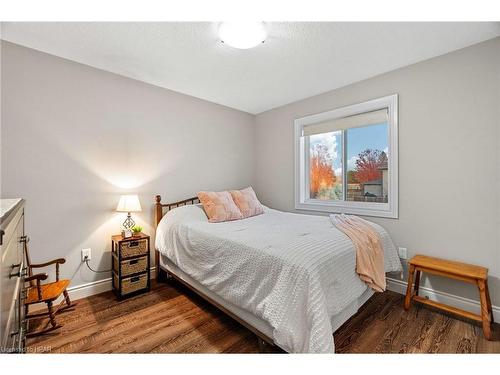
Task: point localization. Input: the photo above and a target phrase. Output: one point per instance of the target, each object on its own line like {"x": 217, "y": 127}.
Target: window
{"x": 346, "y": 159}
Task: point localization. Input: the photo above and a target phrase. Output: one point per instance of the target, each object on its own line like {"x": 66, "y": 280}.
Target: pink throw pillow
{"x": 247, "y": 202}
{"x": 219, "y": 206}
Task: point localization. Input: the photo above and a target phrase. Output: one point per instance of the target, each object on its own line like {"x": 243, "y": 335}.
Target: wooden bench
{"x": 459, "y": 271}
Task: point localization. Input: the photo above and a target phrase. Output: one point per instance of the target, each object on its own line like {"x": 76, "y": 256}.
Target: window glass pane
{"x": 367, "y": 167}
{"x": 325, "y": 166}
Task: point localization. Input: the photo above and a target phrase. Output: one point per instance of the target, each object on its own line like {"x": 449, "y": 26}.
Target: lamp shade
{"x": 129, "y": 203}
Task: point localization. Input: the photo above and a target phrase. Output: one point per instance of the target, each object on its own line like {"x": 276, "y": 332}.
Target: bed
{"x": 289, "y": 278}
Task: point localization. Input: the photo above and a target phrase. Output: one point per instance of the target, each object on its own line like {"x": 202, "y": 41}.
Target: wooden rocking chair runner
{"x": 37, "y": 292}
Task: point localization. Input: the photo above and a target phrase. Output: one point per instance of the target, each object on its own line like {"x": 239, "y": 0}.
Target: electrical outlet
{"x": 403, "y": 252}
{"x": 86, "y": 254}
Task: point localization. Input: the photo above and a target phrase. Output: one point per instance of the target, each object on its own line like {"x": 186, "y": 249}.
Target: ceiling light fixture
{"x": 242, "y": 35}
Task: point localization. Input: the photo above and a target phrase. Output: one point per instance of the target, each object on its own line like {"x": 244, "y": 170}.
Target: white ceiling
{"x": 298, "y": 59}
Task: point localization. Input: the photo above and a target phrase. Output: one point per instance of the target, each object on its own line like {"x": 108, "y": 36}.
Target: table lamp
{"x": 129, "y": 203}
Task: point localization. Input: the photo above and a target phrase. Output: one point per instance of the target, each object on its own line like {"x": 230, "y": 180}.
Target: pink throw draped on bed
{"x": 369, "y": 252}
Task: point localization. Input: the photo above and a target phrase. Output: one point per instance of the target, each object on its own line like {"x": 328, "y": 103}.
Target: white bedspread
{"x": 294, "y": 271}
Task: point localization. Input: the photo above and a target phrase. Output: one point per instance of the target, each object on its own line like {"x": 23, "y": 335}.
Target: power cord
{"x": 93, "y": 270}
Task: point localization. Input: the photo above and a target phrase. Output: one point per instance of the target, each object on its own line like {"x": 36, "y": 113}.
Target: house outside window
{"x": 346, "y": 160}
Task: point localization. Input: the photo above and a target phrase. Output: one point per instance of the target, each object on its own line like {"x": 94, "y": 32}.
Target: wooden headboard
{"x": 160, "y": 206}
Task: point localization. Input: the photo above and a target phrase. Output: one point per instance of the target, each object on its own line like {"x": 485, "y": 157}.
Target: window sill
{"x": 354, "y": 208}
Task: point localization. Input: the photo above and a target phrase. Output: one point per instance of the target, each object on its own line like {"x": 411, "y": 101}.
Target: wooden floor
{"x": 171, "y": 319}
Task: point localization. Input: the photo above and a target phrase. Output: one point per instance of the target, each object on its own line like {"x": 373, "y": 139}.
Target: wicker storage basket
{"x": 132, "y": 284}
{"x": 131, "y": 266}
{"x": 134, "y": 248}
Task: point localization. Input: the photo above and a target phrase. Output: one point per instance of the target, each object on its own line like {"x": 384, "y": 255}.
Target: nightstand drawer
{"x": 132, "y": 284}
{"x": 134, "y": 248}
{"x": 131, "y": 266}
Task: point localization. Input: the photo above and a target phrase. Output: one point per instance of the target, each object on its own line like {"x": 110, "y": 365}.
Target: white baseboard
{"x": 85, "y": 290}
{"x": 399, "y": 286}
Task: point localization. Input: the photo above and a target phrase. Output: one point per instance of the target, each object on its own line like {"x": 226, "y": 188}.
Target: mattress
{"x": 294, "y": 272}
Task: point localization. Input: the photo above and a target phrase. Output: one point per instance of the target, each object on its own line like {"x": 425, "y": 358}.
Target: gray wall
{"x": 74, "y": 138}
{"x": 448, "y": 165}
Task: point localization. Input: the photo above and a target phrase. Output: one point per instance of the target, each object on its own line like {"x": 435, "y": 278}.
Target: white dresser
{"x": 12, "y": 269}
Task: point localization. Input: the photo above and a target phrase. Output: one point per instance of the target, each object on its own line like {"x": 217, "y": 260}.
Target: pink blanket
{"x": 369, "y": 252}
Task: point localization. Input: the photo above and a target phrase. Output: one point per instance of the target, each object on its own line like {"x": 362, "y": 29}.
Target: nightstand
{"x": 130, "y": 265}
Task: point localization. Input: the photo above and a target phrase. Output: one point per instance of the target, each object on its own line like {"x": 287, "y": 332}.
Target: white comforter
{"x": 293, "y": 271}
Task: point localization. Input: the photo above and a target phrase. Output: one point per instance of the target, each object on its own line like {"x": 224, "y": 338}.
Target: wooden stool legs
{"x": 417, "y": 282}
{"x": 488, "y": 299}
{"x": 486, "y": 310}
{"x": 486, "y": 316}
{"x": 411, "y": 271}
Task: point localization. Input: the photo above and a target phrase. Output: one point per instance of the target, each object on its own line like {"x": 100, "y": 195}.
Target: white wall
{"x": 449, "y": 161}
{"x": 74, "y": 138}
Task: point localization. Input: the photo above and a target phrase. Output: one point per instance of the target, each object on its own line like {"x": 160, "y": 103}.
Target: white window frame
{"x": 302, "y": 199}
